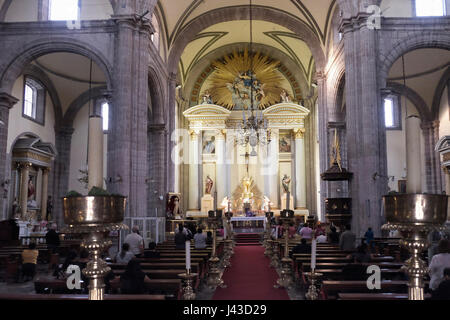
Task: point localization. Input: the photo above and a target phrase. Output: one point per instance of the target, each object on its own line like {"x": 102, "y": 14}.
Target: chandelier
{"x": 253, "y": 129}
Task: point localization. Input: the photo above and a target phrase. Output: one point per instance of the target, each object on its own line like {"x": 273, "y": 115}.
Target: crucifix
{"x": 247, "y": 156}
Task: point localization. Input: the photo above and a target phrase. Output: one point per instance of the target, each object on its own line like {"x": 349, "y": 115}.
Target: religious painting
{"x": 173, "y": 206}
{"x": 236, "y": 82}
{"x": 209, "y": 145}
{"x": 284, "y": 143}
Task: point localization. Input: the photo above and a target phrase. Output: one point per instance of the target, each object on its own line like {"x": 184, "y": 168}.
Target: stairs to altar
{"x": 248, "y": 239}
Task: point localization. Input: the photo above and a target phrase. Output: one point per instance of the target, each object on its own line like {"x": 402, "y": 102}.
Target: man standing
{"x": 135, "y": 241}
{"x": 52, "y": 239}
{"x": 347, "y": 240}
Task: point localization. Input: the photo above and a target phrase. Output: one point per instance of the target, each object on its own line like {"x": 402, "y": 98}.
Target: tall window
{"x": 29, "y": 100}
{"x": 105, "y": 116}
{"x": 428, "y": 8}
{"x": 392, "y": 116}
{"x": 34, "y": 100}
{"x": 64, "y": 10}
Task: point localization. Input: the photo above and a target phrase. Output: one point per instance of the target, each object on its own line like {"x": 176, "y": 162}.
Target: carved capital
{"x": 220, "y": 134}
{"x": 299, "y": 133}
{"x": 7, "y": 100}
{"x": 193, "y": 134}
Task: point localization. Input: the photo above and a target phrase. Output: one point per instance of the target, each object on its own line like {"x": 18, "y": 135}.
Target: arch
{"x": 156, "y": 96}
{"x": 21, "y": 135}
{"x": 438, "y": 94}
{"x": 35, "y": 49}
{"x": 242, "y": 13}
{"x": 414, "y": 97}
{"x": 79, "y": 102}
{"x": 36, "y": 72}
{"x": 407, "y": 44}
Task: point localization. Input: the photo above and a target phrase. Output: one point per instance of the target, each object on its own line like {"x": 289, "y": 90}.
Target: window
{"x": 105, "y": 116}
{"x": 34, "y": 100}
{"x": 392, "y": 113}
{"x": 64, "y": 10}
{"x": 429, "y": 8}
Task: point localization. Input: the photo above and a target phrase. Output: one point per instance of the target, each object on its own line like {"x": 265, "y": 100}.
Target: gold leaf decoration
{"x": 231, "y": 86}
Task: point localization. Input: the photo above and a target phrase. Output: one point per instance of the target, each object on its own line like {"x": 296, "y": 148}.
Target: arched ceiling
{"x": 176, "y": 14}
{"x": 265, "y": 33}
{"x": 424, "y": 69}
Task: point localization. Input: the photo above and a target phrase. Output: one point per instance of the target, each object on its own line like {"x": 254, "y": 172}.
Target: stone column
{"x": 433, "y": 173}
{"x": 274, "y": 189}
{"x": 128, "y": 135}
{"x": 300, "y": 169}
{"x": 63, "y": 137}
{"x": 193, "y": 171}
{"x": 6, "y": 103}
{"x": 157, "y": 161}
{"x": 221, "y": 172}
{"x": 44, "y": 194}
{"x": 366, "y": 138}
{"x": 23, "y": 197}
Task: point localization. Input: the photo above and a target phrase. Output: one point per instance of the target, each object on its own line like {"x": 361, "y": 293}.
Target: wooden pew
{"x": 375, "y": 296}
{"x": 202, "y": 264}
{"x": 330, "y": 289}
{"x": 170, "y": 288}
{"x": 162, "y": 274}
{"x": 16, "y": 296}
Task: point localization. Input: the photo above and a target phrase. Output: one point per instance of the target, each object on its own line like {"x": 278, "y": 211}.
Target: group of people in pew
{"x": 184, "y": 234}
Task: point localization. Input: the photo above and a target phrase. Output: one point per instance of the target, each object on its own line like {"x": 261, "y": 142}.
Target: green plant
{"x": 73, "y": 193}
{"x": 95, "y": 191}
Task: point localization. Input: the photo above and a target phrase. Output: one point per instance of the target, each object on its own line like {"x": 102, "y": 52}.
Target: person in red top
{"x": 291, "y": 231}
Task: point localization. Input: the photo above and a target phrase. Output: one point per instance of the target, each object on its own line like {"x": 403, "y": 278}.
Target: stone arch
{"x": 337, "y": 81}
{"x": 30, "y": 51}
{"x": 157, "y": 96}
{"x": 36, "y": 72}
{"x": 79, "y": 102}
{"x": 438, "y": 94}
{"x": 414, "y": 97}
{"x": 242, "y": 13}
{"x": 407, "y": 44}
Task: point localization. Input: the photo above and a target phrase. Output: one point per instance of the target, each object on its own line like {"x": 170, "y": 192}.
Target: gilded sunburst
{"x": 231, "y": 84}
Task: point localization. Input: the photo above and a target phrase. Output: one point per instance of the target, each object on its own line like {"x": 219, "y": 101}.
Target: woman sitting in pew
{"x": 124, "y": 256}
{"x": 132, "y": 281}
{"x": 361, "y": 254}
{"x": 151, "y": 252}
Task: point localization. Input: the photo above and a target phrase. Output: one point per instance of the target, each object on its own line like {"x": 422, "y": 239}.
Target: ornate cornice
{"x": 7, "y": 100}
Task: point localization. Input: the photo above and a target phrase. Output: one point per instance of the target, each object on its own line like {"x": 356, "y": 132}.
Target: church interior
{"x": 224, "y": 150}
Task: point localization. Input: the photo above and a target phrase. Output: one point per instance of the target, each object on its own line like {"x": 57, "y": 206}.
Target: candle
{"x": 413, "y": 131}
{"x": 95, "y": 152}
{"x": 188, "y": 255}
{"x": 313, "y": 255}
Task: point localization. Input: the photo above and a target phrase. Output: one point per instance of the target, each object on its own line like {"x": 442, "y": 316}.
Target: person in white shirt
{"x": 124, "y": 256}
{"x": 200, "y": 239}
{"x": 439, "y": 262}
{"x": 321, "y": 238}
{"x": 135, "y": 241}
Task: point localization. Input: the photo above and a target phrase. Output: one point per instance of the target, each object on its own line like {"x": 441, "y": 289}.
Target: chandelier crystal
{"x": 253, "y": 129}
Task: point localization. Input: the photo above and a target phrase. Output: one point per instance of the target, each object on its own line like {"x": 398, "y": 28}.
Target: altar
{"x": 249, "y": 222}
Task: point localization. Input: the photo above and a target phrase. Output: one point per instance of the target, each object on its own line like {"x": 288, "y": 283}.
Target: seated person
{"x": 209, "y": 238}
{"x": 152, "y": 252}
{"x": 125, "y": 255}
{"x": 302, "y": 247}
{"x": 306, "y": 232}
{"x": 180, "y": 238}
{"x": 322, "y": 238}
{"x": 29, "y": 261}
{"x": 291, "y": 231}
{"x": 200, "y": 239}
{"x": 333, "y": 236}
{"x": 361, "y": 254}
{"x": 439, "y": 263}
{"x": 84, "y": 259}
{"x": 132, "y": 281}
{"x": 443, "y": 290}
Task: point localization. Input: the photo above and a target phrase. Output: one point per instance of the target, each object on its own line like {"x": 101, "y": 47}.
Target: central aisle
{"x": 250, "y": 277}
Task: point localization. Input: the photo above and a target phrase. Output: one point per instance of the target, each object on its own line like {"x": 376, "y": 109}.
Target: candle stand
{"x": 188, "y": 278}
{"x": 214, "y": 274}
{"x": 314, "y": 288}
{"x": 93, "y": 216}
{"x": 286, "y": 279}
{"x": 414, "y": 216}
{"x": 267, "y": 236}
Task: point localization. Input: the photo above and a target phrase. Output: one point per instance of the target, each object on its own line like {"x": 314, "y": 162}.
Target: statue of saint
{"x": 209, "y": 185}
{"x": 285, "y": 182}
{"x": 284, "y": 96}
{"x": 207, "y": 98}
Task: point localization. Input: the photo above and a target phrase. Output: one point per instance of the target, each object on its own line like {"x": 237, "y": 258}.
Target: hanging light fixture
{"x": 253, "y": 129}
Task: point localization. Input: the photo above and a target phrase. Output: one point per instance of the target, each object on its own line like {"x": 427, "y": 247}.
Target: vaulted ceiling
{"x": 174, "y": 16}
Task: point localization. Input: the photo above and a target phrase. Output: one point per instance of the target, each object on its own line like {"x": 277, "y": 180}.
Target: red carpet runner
{"x": 250, "y": 277}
